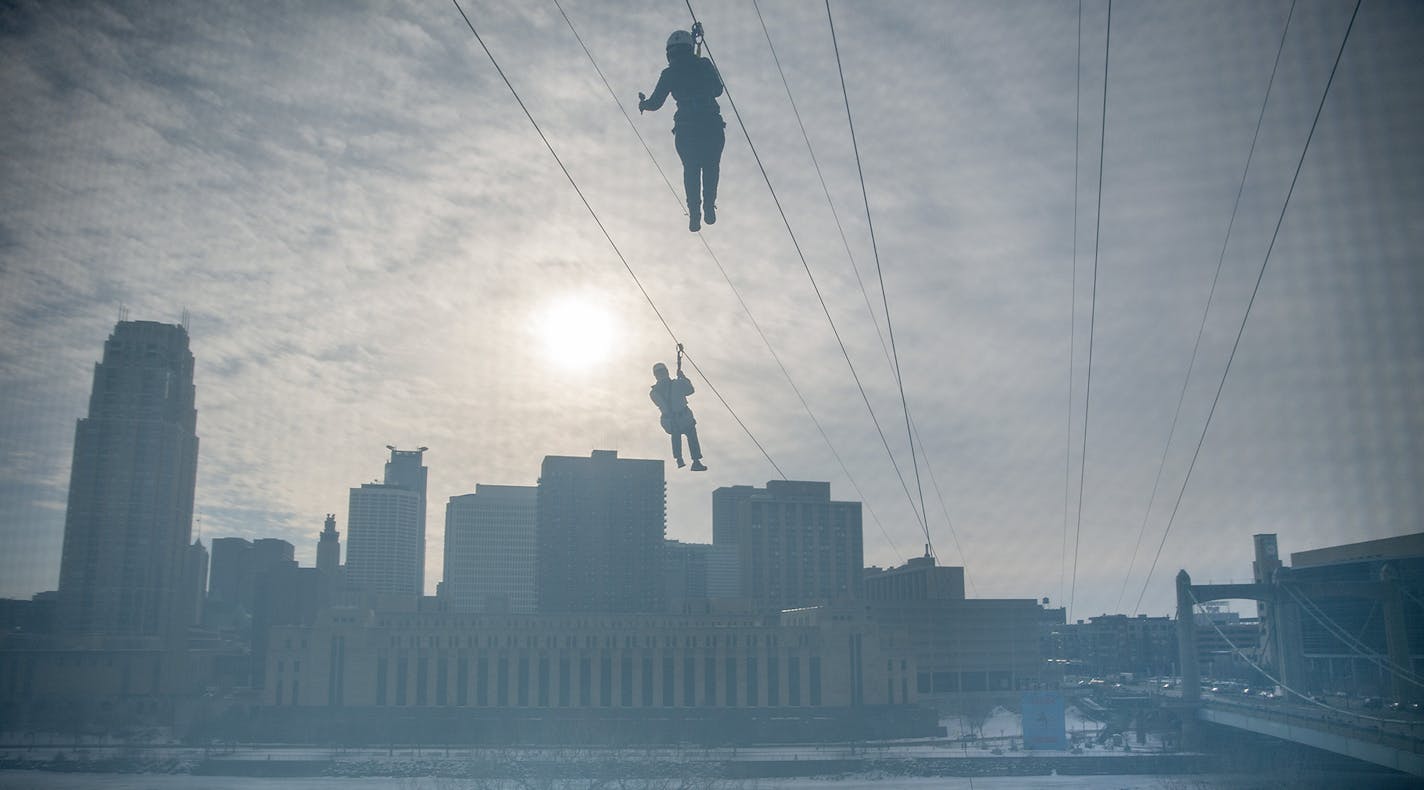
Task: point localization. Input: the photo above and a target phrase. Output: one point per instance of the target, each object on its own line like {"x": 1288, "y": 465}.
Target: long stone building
{"x": 821, "y": 663}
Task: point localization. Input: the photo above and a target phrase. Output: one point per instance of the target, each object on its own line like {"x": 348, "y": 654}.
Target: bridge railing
{"x": 1399, "y": 734}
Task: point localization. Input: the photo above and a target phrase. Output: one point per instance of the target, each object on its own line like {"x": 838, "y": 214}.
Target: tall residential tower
{"x": 490, "y": 538}
{"x": 601, "y": 525}
{"x": 385, "y": 529}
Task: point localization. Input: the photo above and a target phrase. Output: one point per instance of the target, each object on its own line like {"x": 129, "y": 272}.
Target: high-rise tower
{"x": 328, "y": 549}
{"x": 385, "y": 529}
{"x": 601, "y": 526}
{"x": 129, "y": 521}
{"x": 795, "y": 546}
{"x": 490, "y": 537}
{"x": 407, "y": 470}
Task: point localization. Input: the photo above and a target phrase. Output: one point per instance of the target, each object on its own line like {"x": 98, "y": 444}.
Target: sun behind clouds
{"x": 577, "y": 332}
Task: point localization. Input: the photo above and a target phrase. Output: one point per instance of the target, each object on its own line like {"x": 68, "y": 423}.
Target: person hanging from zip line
{"x": 697, "y": 126}
{"x": 670, "y": 395}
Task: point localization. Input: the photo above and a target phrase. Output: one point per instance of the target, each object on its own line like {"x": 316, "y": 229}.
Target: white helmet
{"x": 679, "y": 38}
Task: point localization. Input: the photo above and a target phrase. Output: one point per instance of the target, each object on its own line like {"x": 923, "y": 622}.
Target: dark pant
{"x": 700, "y": 147}
{"x": 692, "y": 444}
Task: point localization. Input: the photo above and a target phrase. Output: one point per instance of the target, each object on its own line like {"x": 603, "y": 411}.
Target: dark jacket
{"x": 670, "y": 395}
{"x": 693, "y": 81}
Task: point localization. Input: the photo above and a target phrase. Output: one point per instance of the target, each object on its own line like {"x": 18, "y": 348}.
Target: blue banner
{"x": 1043, "y": 720}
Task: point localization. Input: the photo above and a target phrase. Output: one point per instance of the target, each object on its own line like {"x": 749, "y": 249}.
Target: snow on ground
{"x": 44, "y": 780}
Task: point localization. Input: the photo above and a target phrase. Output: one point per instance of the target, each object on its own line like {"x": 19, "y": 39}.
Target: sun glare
{"x": 577, "y": 333}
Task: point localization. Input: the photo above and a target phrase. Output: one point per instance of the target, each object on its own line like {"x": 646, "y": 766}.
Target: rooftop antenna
{"x": 123, "y": 312}
{"x": 186, "y": 317}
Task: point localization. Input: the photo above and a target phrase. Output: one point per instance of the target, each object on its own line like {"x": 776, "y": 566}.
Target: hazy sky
{"x": 375, "y": 248}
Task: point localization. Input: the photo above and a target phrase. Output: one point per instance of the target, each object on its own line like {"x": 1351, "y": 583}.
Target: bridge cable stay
{"x": 815, "y": 287}
{"x": 1411, "y": 596}
{"x": 720, "y": 268}
{"x": 864, "y": 292}
{"x": 1206, "y": 311}
{"x": 1349, "y": 640}
{"x": 880, "y": 274}
{"x": 1092, "y": 317}
{"x": 609, "y": 237}
{"x": 1276, "y": 681}
{"x": 1072, "y": 302}
{"x": 1241, "y": 330}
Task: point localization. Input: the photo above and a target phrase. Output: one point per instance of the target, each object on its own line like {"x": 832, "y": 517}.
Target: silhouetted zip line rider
{"x": 697, "y": 126}
{"x": 670, "y": 395}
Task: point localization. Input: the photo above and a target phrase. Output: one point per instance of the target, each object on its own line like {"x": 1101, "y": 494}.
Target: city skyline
{"x": 376, "y": 249}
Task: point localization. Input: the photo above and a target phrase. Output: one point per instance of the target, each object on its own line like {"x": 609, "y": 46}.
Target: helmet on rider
{"x": 680, "y": 38}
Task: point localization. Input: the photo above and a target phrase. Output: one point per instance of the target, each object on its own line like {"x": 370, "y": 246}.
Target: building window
{"x": 442, "y": 667}
{"x": 382, "y": 670}
{"x": 647, "y": 700}
{"x": 402, "y": 670}
{"x": 482, "y": 681}
{"x": 462, "y": 680}
{"x": 731, "y": 682}
{"x": 709, "y": 680}
{"x": 689, "y": 682}
{"x": 501, "y": 683}
{"x": 605, "y": 681}
{"x": 523, "y": 675}
{"x": 669, "y": 682}
{"x": 773, "y": 681}
{"x": 586, "y": 682}
{"x": 543, "y": 681}
{"x": 752, "y": 681}
{"x": 793, "y": 681}
{"x": 563, "y": 682}
{"x": 815, "y": 690}
{"x": 625, "y": 678}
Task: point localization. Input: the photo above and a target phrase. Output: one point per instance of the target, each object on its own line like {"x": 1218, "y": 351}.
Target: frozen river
{"x": 44, "y": 780}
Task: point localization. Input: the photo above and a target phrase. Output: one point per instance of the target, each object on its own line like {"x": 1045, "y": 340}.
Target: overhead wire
{"x": 1206, "y": 311}
{"x": 730, "y": 284}
{"x": 814, "y": 285}
{"x": 609, "y": 237}
{"x": 816, "y": 163}
{"x": 880, "y": 273}
{"x": 1072, "y": 300}
{"x": 1092, "y": 317}
{"x": 1241, "y": 330}
{"x": 884, "y": 347}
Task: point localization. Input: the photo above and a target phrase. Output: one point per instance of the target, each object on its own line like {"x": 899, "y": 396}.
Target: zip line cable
{"x": 1072, "y": 299}
{"x": 1206, "y": 311}
{"x": 815, "y": 287}
{"x": 1241, "y": 330}
{"x": 607, "y": 236}
{"x": 747, "y": 309}
{"x": 1092, "y": 315}
{"x": 885, "y": 348}
{"x": 885, "y": 299}
{"x": 815, "y": 162}
{"x": 945, "y": 509}
{"x": 626, "y": 116}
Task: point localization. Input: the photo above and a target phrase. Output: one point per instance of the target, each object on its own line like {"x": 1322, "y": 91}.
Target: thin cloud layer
{"x": 366, "y": 232}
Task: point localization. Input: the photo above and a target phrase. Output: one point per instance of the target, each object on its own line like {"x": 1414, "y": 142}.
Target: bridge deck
{"x": 1396, "y": 745}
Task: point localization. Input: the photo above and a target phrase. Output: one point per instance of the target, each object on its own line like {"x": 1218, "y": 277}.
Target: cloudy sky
{"x": 375, "y": 248}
